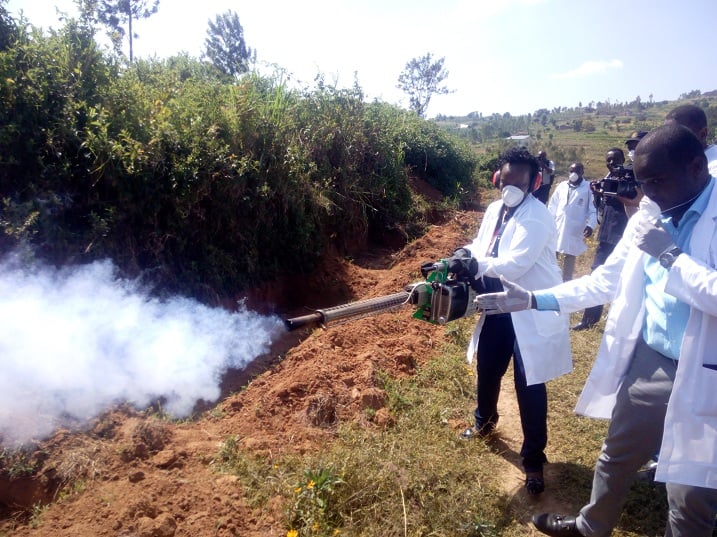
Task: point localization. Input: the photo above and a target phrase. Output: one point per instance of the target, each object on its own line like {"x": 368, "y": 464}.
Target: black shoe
{"x": 582, "y": 325}
{"x": 646, "y": 474}
{"x": 471, "y": 432}
{"x": 556, "y": 525}
{"x": 534, "y": 483}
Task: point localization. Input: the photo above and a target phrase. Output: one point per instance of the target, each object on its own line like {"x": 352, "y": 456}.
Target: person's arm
{"x": 545, "y": 301}
{"x": 515, "y": 298}
{"x": 693, "y": 283}
{"x": 593, "y": 289}
{"x": 479, "y": 244}
{"x": 592, "y": 211}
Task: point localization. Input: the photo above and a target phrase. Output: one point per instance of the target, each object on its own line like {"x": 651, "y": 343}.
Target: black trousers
{"x": 496, "y": 346}
{"x": 543, "y": 193}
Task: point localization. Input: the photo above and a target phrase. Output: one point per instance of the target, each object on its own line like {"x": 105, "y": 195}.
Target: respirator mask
{"x": 512, "y": 196}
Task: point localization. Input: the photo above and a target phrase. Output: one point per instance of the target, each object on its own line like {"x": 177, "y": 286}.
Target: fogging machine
{"x": 446, "y": 294}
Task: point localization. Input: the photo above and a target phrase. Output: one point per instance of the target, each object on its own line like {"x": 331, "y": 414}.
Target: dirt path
{"x": 508, "y": 446}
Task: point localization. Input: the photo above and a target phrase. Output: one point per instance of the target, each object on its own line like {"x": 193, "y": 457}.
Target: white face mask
{"x": 512, "y": 195}
{"x": 573, "y": 177}
{"x": 631, "y": 154}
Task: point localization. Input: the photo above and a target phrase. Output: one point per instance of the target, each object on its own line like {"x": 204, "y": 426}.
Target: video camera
{"x": 621, "y": 182}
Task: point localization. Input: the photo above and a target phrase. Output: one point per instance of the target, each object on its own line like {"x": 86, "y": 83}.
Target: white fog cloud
{"x": 75, "y": 342}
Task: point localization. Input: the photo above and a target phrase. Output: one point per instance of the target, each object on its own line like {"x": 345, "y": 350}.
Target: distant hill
{"x": 582, "y": 133}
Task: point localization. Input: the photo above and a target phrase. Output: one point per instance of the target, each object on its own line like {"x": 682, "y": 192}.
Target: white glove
{"x": 514, "y": 298}
{"x": 652, "y": 238}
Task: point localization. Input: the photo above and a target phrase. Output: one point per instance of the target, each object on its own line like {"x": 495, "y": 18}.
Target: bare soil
{"x": 152, "y": 478}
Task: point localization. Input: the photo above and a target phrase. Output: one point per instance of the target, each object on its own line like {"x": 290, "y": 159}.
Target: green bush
{"x": 203, "y": 184}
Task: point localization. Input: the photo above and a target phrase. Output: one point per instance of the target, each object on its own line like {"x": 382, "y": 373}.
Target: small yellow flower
{"x": 310, "y": 484}
{"x": 315, "y": 527}
{"x": 297, "y": 490}
{"x": 337, "y": 531}
{"x": 292, "y": 533}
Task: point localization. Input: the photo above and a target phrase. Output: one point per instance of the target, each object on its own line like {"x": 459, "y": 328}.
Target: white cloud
{"x": 590, "y": 68}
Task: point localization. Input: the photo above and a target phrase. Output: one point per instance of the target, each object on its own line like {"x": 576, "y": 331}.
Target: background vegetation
{"x": 205, "y": 179}
{"x": 584, "y": 133}
{"x": 202, "y": 182}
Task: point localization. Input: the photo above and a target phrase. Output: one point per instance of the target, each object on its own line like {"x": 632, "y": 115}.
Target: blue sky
{"x": 502, "y": 55}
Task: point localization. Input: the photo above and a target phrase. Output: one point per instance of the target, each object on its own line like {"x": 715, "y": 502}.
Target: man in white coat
{"x": 516, "y": 239}
{"x": 575, "y": 217}
{"x": 656, "y": 370}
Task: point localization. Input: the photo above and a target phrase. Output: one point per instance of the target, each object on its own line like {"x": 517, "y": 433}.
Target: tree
{"x": 116, "y": 13}
{"x": 8, "y": 28}
{"x": 421, "y": 79}
{"x": 225, "y": 45}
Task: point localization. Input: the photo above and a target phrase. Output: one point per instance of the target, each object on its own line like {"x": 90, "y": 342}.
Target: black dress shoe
{"x": 534, "y": 483}
{"x": 582, "y": 325}
{"x": 556, "y": 525}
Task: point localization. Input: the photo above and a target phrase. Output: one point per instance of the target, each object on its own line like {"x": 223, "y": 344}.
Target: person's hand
{"x": 514, "y": 298}
{"x": 587, "y": 232}
{"x": 631, "y": 202}
{"x": 461, "y": 263}
{"x": 652, "y": 238}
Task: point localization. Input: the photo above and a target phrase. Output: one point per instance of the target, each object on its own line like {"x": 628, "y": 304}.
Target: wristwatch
{"x": 667, "y": 258}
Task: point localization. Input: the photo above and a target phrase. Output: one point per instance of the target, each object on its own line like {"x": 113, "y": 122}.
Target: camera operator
{"x": 547, "y": 170}
{"x": 610, "y": 194}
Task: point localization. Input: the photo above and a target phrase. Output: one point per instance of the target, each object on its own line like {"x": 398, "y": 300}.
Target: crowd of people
{"x": 655, "y": 265}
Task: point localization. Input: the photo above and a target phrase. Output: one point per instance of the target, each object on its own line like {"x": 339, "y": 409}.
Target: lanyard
{"x": 505, "y": 215}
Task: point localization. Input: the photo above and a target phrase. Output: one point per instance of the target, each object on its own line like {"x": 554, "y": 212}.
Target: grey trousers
{"x": 633, "y": 437}
{"x": 568, "y": 266}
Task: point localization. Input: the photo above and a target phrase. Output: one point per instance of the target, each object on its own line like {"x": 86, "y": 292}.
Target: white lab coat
{"x": 688, "y": 454}
{"x": 526, "y": 255}
{"x": 711, "y": 154}
{"x": 572, "y": 208}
